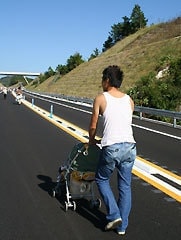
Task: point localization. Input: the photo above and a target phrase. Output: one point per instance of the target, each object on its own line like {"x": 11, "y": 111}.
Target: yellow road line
{"x": 160, "y": 168}
{"x": 157, "y": 185}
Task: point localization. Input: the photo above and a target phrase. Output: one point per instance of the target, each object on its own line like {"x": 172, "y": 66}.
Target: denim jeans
{"x": 120, "y": 156}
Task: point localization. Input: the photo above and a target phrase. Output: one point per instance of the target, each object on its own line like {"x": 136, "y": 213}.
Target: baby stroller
{"x": 76, "y": 178}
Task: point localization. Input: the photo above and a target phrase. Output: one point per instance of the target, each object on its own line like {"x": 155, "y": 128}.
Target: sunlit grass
{"x": 137, "y": 55}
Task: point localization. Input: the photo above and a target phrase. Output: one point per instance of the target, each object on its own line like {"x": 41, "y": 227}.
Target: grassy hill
{"x": 137, "y": 55}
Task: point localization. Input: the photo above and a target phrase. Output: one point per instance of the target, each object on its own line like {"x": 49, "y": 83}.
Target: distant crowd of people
{"x": 18, "y": 92}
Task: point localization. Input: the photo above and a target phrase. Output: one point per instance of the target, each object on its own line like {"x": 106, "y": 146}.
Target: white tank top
{"x": 117, "y": 120}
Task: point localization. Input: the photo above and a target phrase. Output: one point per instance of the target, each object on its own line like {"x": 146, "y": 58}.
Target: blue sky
{"x": 36, "y": 35}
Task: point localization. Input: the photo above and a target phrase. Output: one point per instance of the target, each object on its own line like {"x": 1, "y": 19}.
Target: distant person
{"x": 118, "y": 147}
{"x": 5, "y": 91}
{"x": 19, "y": 95}
{"x": 19, "y": 91}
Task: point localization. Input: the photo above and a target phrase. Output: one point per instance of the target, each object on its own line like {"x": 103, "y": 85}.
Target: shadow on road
{"x": 47, "y": 184}
{"x": 94, "y": 215}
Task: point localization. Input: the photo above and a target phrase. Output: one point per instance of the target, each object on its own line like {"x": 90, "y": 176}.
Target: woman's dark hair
{"x": 114, "y": 74}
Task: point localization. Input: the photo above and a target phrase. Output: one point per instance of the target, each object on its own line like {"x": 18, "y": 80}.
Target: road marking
{"x": 66, "y": 126}
{"x": 151, "y": 172}
{"x": 155, "y": 131}
{"x": 142, "y": 168}
{"x": 89, "y": 112}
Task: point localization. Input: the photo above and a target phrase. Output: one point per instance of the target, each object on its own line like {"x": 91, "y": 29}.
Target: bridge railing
{"x": 139, "y": 111}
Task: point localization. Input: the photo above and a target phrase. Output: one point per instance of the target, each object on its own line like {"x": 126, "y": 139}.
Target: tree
{"x": 116, "y": 32}
{"x": 137, "y": 19}
{"x": 49, "y": 73}
{"x": 94, "y": 54}
{"x": 62, "y": 69}
{"x": 74, "y": 61}
{"x": 108, "y": 44}
{"x": 125, "y": 28}
{"x": 121, "y": 30}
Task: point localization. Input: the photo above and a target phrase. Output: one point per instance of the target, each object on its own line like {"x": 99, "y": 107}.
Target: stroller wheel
{"x": 66, "y": 206}
{"x": 53, "y": 193}
{"x": 95, "y": 203}
{"x": 71, "y": 205}
{"x": 74, "y": 205}
{"x": 56, "y": 192}
{"x": 98, "y": 203}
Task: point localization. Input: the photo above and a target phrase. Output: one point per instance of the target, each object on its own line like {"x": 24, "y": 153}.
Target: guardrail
{"x": 144, "y": 112}
{"x": 176, "y": 116}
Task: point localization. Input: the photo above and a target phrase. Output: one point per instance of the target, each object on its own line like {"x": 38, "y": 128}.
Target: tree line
{"x": 123, "y": 29}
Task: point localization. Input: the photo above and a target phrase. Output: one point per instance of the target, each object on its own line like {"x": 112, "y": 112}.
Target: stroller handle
{"x": 85, "y": 152}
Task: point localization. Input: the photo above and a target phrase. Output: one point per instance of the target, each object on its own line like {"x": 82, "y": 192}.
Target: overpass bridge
{"x": 24, "y": 74}
{"x": 20, "y": 73}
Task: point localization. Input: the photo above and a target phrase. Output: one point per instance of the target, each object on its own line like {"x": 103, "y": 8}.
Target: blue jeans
{"x": 122, "y": 157}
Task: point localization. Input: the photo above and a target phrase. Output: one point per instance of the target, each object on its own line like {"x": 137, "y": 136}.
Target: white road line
{"x": 155, "y": 131}
{"x": 134, "y": 125}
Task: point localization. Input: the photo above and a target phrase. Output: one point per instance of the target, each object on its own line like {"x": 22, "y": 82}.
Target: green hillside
{"x": 137, "y": 55}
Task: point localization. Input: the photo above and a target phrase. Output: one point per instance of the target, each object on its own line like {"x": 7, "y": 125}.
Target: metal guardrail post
{"x": 141, "y": 115}
{"x": 174, "y": 122}
{"x": 32, "y": 102}
{"x": 51, "y": 111}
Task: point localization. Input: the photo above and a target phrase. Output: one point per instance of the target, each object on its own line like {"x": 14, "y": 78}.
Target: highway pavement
{"x": 31, "y": 151}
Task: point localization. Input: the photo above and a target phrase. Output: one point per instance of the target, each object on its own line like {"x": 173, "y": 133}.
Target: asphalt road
{"x": 31, "y": 151}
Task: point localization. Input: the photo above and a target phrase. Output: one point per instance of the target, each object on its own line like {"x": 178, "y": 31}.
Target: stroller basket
{"x": 76, "y": 177}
